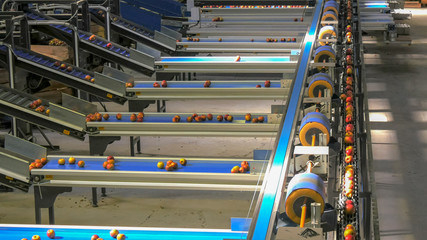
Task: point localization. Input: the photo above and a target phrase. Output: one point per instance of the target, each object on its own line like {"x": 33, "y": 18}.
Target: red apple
{"x": 267, "y": 83}
{"x": 349, "y": 128}
{"x": 349, "y": 152}
{"x": 207, "y": 84}
{"x": 119, "y": 116}
{"x": 349, "y": 70}
{"x": 92, "y": 37}
{"x": 164, "y": 83}
{"x": 343, "y": 96}
{"x": 261, "y": 119}
{"x": 349, "y": 226}
{"x": 348, "y": 88}
{"x": 248, "y": 117}
{"x": 43, "y": 161}
{"x": 35, "y": 237}
{"x": 81, "y": 164}
{"x": 294, "y": 39}
{"x": 242, "y": 169}
{"x": 219, "y": 39}
{"x": 349, "y": 99}
{"x": 230, "y": 118}
{"x": 258, "y": 86}
{"x": 203, "y": 117}
{"x": 189, "y": 119}
{"x": 110, "y": 166}
{"x": 182, "y": 161}
{"x": 169, "y": 168}
{"x": 295, "y": 19}
{"x": 174, "y": 165}
{"x": 57, "y": 64}
{"x": 94, "y": 237}
{"x": 129, "y": 84}
{"x": 349, "y": 140}
{"x": 114, "y": 233}
{"x": 69, "y": 69}
{"x": 254, "y": 120}
{"x": 139, "y": 119}
{"x": 349, "y": 51}
{"x": 210, "y": 116}
{"x": 219, "y": 118}
{"x": 156, "y": 85}
{"x": 349, "y": 237}
{"x": 106, "y": 116}
{"x": 109, "y": 45}
{"x": 348, "y": 119}
{"x": 349, "y": 209}
{"x": 63, "y": 66}
{"x": 133, "y": 117}
{"x": 50, "y": 234}
{"x": 87, "y": 77}
{"x": 39, "y": 165}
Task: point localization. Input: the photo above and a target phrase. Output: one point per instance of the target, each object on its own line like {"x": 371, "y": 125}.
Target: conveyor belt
{"x": 117, "y": 54}
{"x": 45, "y": 66}
{"x": 245, "y": 64}
{"x": 137, "y": 172}
{"x": 160, "y": 124}
{"x": 16, "y": 104}
{"x": 218, "y": 90}
{"x": 138, "y": 33}
{"x": 15, "y": 231}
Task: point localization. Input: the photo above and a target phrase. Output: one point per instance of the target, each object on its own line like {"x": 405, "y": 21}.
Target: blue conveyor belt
{"x": 226, "y": 59}
{"x": 216, "y": 84}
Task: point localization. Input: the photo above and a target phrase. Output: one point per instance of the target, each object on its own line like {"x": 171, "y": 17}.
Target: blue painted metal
{"x": 142, "y": 17}
{"x": 314, "y": 117}
{"x": 240, "y": 224}
{"x": 306, "y": 181}
{"x": 273, "y": 180}
{"x": 161, "y": 7}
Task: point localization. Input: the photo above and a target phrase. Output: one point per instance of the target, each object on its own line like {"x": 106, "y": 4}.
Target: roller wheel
{"x": 304, "y": 187}
{"x": 314, "y": 124}
{"x": 329, "y": 16}
{"x": 324, "y": 54}
{"x": 319, "y": 83}
{"x": 327, "y": 32}
{"x": 331, "y": 6}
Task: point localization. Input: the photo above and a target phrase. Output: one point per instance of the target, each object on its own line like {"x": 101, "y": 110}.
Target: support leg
{"x": 94, "y": 198}
{"x": 103, "y": 192}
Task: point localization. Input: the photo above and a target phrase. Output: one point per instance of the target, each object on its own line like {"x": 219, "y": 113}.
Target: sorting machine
{"x": 307, "y": 172}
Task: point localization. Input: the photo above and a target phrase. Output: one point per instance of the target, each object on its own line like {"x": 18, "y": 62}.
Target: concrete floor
{"x": 397, "y": 86}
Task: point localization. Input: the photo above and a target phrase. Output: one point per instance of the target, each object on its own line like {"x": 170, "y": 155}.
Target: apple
{"x": 209, "y": 116}
{"x": 161, "y": 165}
{"x": 57, "y": 64}
{"x": 237, "y": 59}
{"x": 164, "y": 83}
{"x": 104, "y": 165}
{"x": 349, "y": 237}
{"x": 43, "y": 161}
{"x": 348, "y": 28}
{"x": 156, "y": 85}
{"x": 349, "y": 70}
{"x": 349, "y": 140}
{"x": 175, "y": 119}
{"x": 248, "y": 117}
{"x": 348, "y": 159}
{"x": 92, "y": 37}
{"x": 349, "y": 51}
{"x": 114, "y": 233}
{"x": 261, "y": 119}
{"x": 121, "y": 236}
{"x": 283, "y": 39}
{"x": 348, "y": 40}
{"x": 110, "y": 166}
{"x": 254, "y": 120}
{"x": 69, "y": 69}
{"x": 38, "y": 165}
{"x": 24, "y": 239}
{"x": 169, "y": 168}
{"x": 348, "y": 88}
{"x": 129, "y": 84}
{"x": 61, "y": 161}
{"x": 195, "y": 115}
{"x": 219, "y": 118}
{"x": 203, "y": 117}
{"x": 109, "y": 45}
{"x": 349, "y": 152}
{"x": 219, "y": 39}
{"x": 71, "y": 160}
{"x": 348, "y": 34}
{"x": 106, "y": 116}
{"x": 139, "y": 119}
{"x": 35, "y": 237}
{"x": 349, "y": 59}
{"x": 169, "y": 162}
{"x": 242, "y": 169}
{"x": 295, "y": 19}
{"x": 258, "y": 86}
{"x": 63, "y": 66}
{"x": 229, "y": 118}
{"x": 207, "y": 84}
{"x": 349, "y": 99}
{"x": 133, "y": 117}
{"x": 267, "y": 83}
{"x": 252, "y": 39}
{"x": 294, "y": 39}
{"x": 302, "y": 19}
{"x": 348, "y": 119}
{"x": 349, "y": 209}
{"x": 182, "y": 161}
{"x": 50, "y": 234}
{"x": 349, "y": 109}
{"x": 198, "y": 119}
{"x": 111, "y": 161}
{"x": 94, "y": 237}
{"x": 189, "y": 119}
{"x": 174, "y": 165}
{"x": 343, "y": 96}
{"x": 349, "y": 128}
{"x": 81, "y": 164}
{"x": 235, "y": 169}
{"x": 119, "y": 116}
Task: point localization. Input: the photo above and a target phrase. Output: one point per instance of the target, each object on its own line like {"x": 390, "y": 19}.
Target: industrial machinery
{"x": 315, "y": 182}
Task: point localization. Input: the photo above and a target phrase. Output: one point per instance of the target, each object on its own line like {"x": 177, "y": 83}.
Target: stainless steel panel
{"x": 23, "y": 147}
{"x": 110, "y": 83}
{"x": 77, "y": 104}
{"x": 68, "y": 116}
